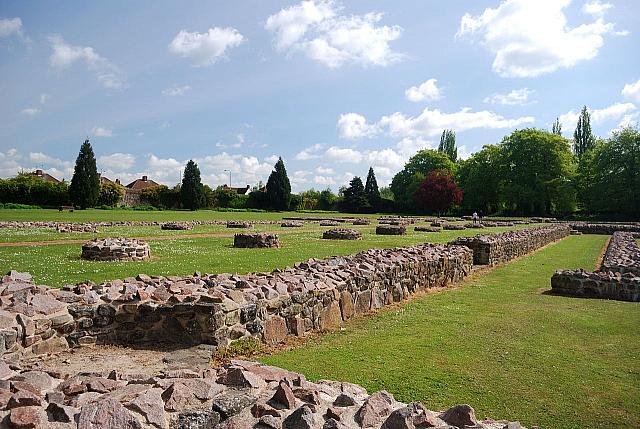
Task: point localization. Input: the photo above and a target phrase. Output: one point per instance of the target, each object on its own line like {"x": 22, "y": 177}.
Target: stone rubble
{"x": 242, "y": 394}
{"x": 239, "y": 224}
{"x": 391, "y": 230}
{"x": 342, "y": 234}
{"x": 177, "y": 226}
{"x": 292, "y": 224}
{"x": 258, "y": 240}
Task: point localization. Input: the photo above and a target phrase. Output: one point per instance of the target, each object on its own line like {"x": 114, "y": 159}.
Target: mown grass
{"x": 500, "y": 344}
{"x": 59, "y": 264}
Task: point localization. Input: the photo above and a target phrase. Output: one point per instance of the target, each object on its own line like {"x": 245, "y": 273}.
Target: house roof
{"x": 240, "y": 191}
{"x": 105, "y": 180}
{"x": 44, "y": 176}
{"x": 142, "y": 183}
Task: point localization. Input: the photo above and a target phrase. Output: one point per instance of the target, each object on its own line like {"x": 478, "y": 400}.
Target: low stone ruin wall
{"x": 599, "y": 284}
{"x": 453, "y": 227}
{"x": 291, "y": 224}
{"x": 618, "y": 277}
{"x": 604, "y": 228}
{"x": 329, "y": 223}
{"x": 71, "y": 227}
{"x": 496, "y": 248}
{"x": 239, "y": 395}
{"x": 177, "y": 226}
{"x": 427, "y": 229}
{"x": 260, "y": 240}
{"x": 342, "y": 234}
{"x": 361, "y": 222}
{"x": 391, "y": 230}
{"x": 239, "y": 224}
{"x": 217, "y": 309}
{"x": 115, "y": 249}
{"x": 623, "y": 254}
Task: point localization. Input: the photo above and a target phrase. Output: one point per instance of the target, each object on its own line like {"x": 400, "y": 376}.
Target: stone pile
{"x": 496, "y": 248}
{"x": 291, "y": 224}
{"x": 239, "y": 224}
{"x": 239, "y": 395}
{"x": 316, "y": 219}
{"x": 89, "y": 225}
{"x": 73, "y": 227}
{"x": 115, "y": 249}
{"x": 543, "y": 219}
{"x": 471, "y": 225}
{"x": 259, "y": 240}
{"x": 398, "y": 220}
{"x": 618, "y": 277}
{"x": 177, "y": 226}
{"x": 427, "y": 229}
{"x": 453, "y": 227}
{"x": 342, "y": 234}
{"x": 361, "y": 221}
{"x": 329, "y": 223}
{"x": 439, "y": 223}
{"x": 391, "y": 230}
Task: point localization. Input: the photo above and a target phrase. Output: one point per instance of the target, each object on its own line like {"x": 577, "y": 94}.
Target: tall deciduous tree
{"x": 279, "y": 187}
{"x": 405, "y": 182}
{"x": 192, "y": 191}
{"x": 371, "y": 189}
{"x": 556, "y": 128}
{"x": 355, "y": 199}
{"x": 438, "y": 192}
{"x": 583, "y": 137}
{"x": 448, "y": 145}
{"x": 85, "y": 183}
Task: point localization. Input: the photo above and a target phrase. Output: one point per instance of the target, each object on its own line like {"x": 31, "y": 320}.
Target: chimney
{"x": 39, "y": 173}
{"x": 144, "y": 178}
{"x": 118, "y": 181}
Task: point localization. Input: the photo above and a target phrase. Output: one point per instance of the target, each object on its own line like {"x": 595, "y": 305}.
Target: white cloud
{"x": 409, "y": 146}
{"x": 31, "y": 111}
{"x": 271, "y": 159}
{"x": 598, "y": 116}
{"x": 431, "y": 122}
{"x": 343, "y": 155}
{"x": 530, "y": 38}
{"x": 41, "y": 158}
{"x": 9, "y": 27}
{"x": 167, "y": 163}
{"x": 324, "y": 170}
{"x": 316, "y": 29}
{"x": 309, "y": 153}
{"x": 428, "y": 90}
{"x": 324, "y": 180}
{"x": 353, "y": 126}
{"x": 117, "y": 161}
{"x": 176, "y": 90}
{"x": 65, "y": 55}
{"x": 632, "y": 91}
{"x": 515, "y": 97}
{"x": 205, "y": 48}
{"x": 596, "y": 8}
{"x": 101, "y": 132}
{"x": 44, "y": 98}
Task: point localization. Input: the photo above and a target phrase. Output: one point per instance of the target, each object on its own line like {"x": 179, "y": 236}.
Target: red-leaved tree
{"x": 437, "y": 192}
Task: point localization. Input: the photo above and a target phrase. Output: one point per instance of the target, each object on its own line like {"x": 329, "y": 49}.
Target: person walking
{"x": 475, "y": 217}
{"x": 480, "y": 216}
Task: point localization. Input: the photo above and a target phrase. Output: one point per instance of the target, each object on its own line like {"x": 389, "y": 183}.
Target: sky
{"x": 332, "y": 87}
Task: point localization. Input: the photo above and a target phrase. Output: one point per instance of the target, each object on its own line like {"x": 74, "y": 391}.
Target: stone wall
{"x": 618, "y": 277}
{"x": 604, "y": 228}
{"x": 115, "y": 249}
{"x": 258, "y": 240}
{"x": 491, "y": 249}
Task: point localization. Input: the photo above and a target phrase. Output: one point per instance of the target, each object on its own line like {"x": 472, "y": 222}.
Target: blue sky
{"x": 332, "y": 87}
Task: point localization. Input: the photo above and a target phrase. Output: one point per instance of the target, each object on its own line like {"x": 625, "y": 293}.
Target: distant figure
{"x": 481, "y": 215}
{"x": 475, "y": 217}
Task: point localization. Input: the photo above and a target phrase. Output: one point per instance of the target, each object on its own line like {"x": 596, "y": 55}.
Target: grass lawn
{"x": 499, "y": 344}
{"x": 59, "y": 264}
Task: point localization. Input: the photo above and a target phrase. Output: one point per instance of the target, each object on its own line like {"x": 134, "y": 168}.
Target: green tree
{"x": 371, "y": 189}
{"x": 355, "y": 199}
{"x": 192, "y": 191}
{"x": 406, "y": 181}
{"x": 481, "y": 179}
{"x": 85, "y": 183}
{"x": 556, "y": 128}
{"x": 327, "y": 200}
{"x": 538, "y": 172}
{"x": 110, "y": 194}
{"x": 448, "y": 145}
{"x": 583, "y": 138}
{"x": 279, "y": 188}
{"x": 609, "y": 176}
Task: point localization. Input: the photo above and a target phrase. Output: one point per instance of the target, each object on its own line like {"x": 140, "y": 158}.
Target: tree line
{"x": 530, "y": 172}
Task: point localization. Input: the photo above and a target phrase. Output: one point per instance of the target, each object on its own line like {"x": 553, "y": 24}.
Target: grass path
{"x": 500, "y": 344}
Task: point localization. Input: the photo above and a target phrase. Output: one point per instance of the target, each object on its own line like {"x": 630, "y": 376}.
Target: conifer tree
{"x": 355, "y": 199}
{"x": 371, "y": 189}
{"x": 279, "y": 187}
{"x": 192, "y": 192}
{"x": 85, "y": 183}
{"x": 448, "y": 145}
{"x": 583, "y": 139}
{"x": 556, "y": 128}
